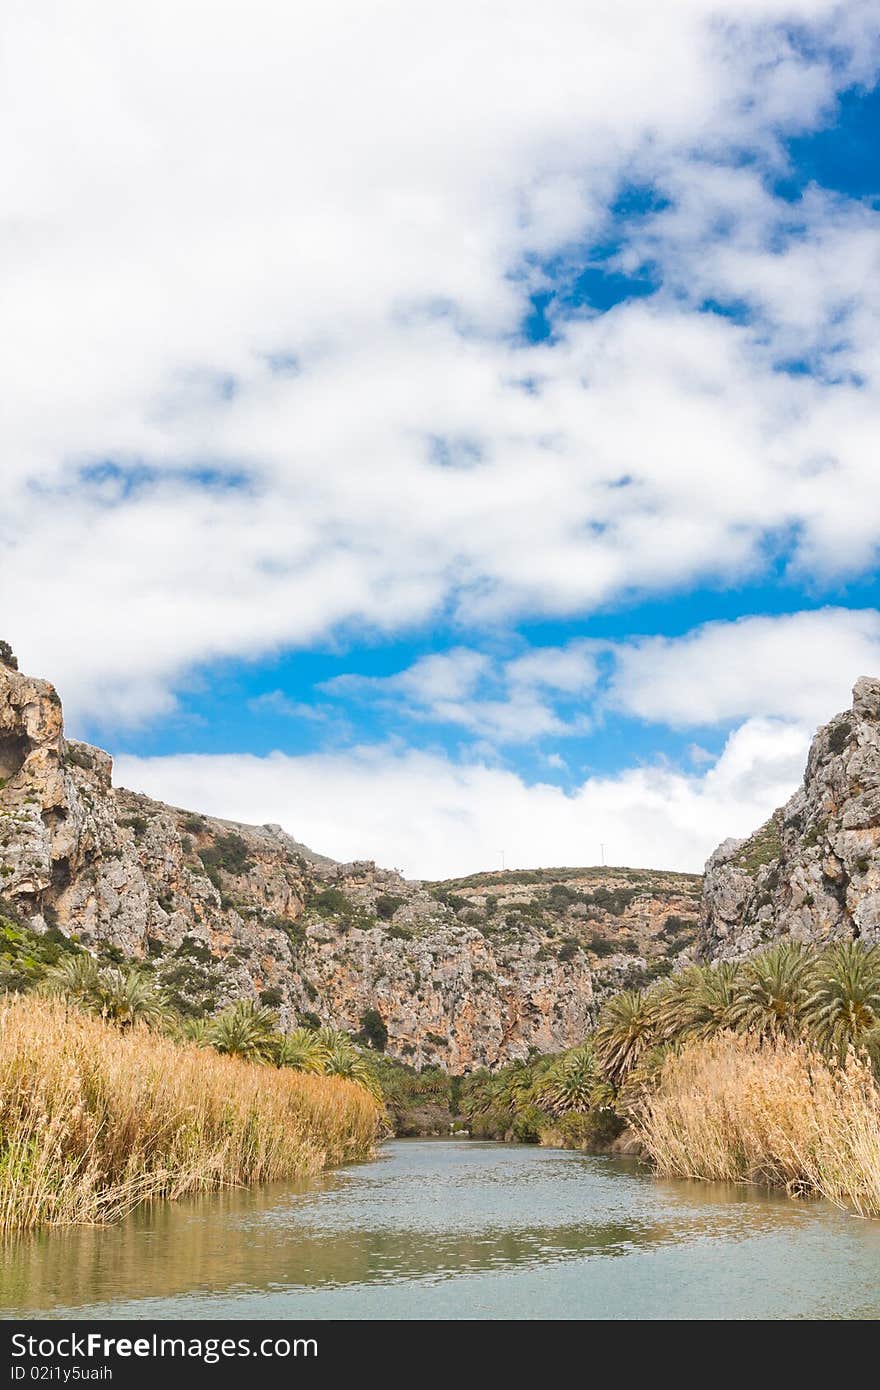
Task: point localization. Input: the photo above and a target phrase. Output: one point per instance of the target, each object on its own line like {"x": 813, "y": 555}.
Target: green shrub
{"x": 594, "y": 1130}
{"x": 191, "y": 978}
{"x": 112, "y": 955}
{"x": 294, "y": 931}
{"x": 212, "y": 874}
{"x": 612, "y": 900}
{"x": 26, "y": 955}
{"x": 374, "y": 1032}
{"x": 559, "y": 897}
{"x": 78, "y": 758}
{"x": 136, "y": 823}
{"x": 601, "y": 945}
{"x": 677, "y": 926}
{"x": 658, "y": 970}
{"x": 399, "y": 933}
{"x": 387, "y": 904}
{"x": 527, "y": 1124}
{"x": 332, "y": 900}
{"x": 229, "y": 853}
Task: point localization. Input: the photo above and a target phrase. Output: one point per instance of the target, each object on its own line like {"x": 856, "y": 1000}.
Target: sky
{"x": 448, "y": 432}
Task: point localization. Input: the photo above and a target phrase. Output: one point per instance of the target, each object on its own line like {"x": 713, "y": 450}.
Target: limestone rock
{"x": 812, "y": 872}
{"x": 465, "y": 974}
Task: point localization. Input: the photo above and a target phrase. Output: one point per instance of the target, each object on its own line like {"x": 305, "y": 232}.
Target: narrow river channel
{"x": 437, "y": 1229}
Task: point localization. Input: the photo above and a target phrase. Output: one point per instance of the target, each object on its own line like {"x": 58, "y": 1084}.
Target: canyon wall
{"x": 475, "y": 972}
{"x": 812, "y": 872}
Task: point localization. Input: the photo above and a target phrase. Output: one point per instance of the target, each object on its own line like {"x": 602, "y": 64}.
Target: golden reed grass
{"x": 94, "y": 1120}
{"x": 736, "y": 1109}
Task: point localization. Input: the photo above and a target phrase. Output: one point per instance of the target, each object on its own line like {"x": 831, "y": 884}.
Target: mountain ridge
{"x": 463, "y": 973}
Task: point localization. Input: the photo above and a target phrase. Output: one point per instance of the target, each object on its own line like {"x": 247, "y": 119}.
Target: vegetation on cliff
{"x": 459, "y": 975}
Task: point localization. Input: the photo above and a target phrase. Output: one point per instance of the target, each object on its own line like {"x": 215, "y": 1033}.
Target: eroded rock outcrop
{"x": 467, "y": 974}
{"x": 812, "y": 872}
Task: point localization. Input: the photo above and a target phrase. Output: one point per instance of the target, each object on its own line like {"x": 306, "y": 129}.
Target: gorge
{"x": 467, "y": 973}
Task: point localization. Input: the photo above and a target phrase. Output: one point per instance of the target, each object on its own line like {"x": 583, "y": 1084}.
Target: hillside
{"x": 471, "y": 972}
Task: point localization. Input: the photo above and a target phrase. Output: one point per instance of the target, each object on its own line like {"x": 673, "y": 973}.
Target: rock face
{"x": 812, "y": 872}
{"x": 463, "y": 974}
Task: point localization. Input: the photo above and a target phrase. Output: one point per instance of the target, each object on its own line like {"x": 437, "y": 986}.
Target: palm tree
{"x": 477, "y": 1094}
{"x": 344, "y": 1059}
{"x": 123, "y": 996}
{"x": 130, "y": 996}
{"x": 76, "y": 979}
{"x": 871, "y": 1048}
{"x": 627, "y": 1028}
{"x": 642, "y": 1079}
{"x": 572, "y": 1082}
{"x": 302, "y": 1050}
{"x": 244, "y": 1030}
{"x": 843, "y": 1007}
{"x": 772, "y": 992}
{"x": 512, "y": 1086}
{"x": 699, "y": 1001}
{"x": 195, "y": 1030}
{"x": 332, "y": 1037}
{"x": 717, "y": 996}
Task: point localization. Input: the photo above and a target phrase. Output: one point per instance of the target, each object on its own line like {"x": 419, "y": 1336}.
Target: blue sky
{"x": 493, "y": 469}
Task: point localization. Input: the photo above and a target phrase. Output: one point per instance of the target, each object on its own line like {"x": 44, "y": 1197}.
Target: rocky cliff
{"x": 463, "y": 974}
{"x": 812, "y": 872}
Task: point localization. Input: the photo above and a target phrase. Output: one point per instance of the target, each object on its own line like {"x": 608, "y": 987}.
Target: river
{"x": 446, "y": 1229}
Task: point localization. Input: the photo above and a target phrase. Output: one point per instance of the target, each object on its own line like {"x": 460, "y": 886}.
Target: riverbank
{"x": 763, "y": 1071}
{"x": 96, "y": 1119}
{"x": 758, "y": 1072}
{"x": 746, "y": 1110}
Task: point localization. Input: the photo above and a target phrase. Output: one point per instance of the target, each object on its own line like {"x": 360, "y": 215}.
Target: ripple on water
{"x": 459, "y": 1229}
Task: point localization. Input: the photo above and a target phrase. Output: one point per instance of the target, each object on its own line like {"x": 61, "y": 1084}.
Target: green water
{"x": 437, "y": 1229}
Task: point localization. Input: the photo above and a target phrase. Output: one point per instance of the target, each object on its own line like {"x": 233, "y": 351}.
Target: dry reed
{"x": 94, "y": 1120}
{"x": 738, "y": 1109}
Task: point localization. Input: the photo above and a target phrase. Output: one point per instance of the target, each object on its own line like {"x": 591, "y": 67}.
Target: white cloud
{"x": 434, "y": 818}
{"x": 571, "y": 670}
{"x": 275, "y": 702}
{"x": 360, "y": 194}
{"x": 795, "y": 666}
{"x": 556, "y": 760}
{"x": 790, "y": 666}
{"x": 496, "y": 701}
{"x": 435, "y": 679}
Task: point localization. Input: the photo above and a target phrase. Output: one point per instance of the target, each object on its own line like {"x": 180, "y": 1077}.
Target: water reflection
{"x": 458, "y": 1229}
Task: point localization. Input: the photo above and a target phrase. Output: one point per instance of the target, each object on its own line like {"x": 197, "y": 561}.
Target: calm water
{"x": 438, "y": 1229}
